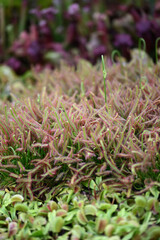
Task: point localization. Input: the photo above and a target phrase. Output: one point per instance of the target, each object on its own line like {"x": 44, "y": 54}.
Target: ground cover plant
{"x": 73, "y": 216}
{"x": 85, "y": 160}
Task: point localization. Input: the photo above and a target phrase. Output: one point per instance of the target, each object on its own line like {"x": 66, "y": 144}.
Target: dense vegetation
{"x": 81, "y": 158}
{"x": 79, "y": 138}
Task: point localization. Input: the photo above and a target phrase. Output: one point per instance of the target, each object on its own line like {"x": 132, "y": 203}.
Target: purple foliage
{"x": 16, "y": 65}
{"x": 72, "y": 34}
{"x": 35, "y": 12}
{"x": 123, "y": 40}
{"x": 44, "y": 28}
{"x": 34, "y": 51}
{"x": 143, "y": 27}
{"x": 87, "y": 28}
{"x": 98, "y": 51}
{"x": 73, "y": 10}
{"x": 48, "y": 13}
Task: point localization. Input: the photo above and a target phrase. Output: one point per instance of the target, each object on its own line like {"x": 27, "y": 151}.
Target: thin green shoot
{"x": 57, "y": 117}
{"x": 114, "y": 52}
{"x": 85, "y": 136}
{"x": 104, "y": 79}
{"x": 82, "y": 89}
{"x": 69, "y": 121}
{"x": 14, "y": 116}
{"x": 141, "y": 42}
{"x": 108, "y": 161}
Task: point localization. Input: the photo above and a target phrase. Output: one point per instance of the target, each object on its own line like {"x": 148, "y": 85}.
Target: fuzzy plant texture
{"x": 71, "y": 139}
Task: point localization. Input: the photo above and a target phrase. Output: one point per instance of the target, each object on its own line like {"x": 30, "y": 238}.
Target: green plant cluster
{"x": 73, "y": 216}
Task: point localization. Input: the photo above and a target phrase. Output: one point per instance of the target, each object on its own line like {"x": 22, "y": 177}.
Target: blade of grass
{"x": 140, "y": 41}
{"x": 128, "y": 120}
{"x": 58, "y": 117}
{"x": 4, "y": 129}
{"x": 82, "y": 89}
{"x": 71, "y": 123}
{"x": 16, "y": 120}
{"x": 104, "y": 79}
{"x": 106, "y": 158}
{"x": 85, "y": 136}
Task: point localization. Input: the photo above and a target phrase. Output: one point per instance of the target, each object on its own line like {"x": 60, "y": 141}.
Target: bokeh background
{"x": 42, "y": 33}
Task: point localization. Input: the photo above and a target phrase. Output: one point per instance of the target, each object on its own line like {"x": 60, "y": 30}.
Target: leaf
{"x": 90, "y": 210}
{"x": 77, "y": 231}
{"x": 100, "y": 225}
{"x": 12, "y": 229}
{"x": 38, "y": 233}
{"x": 4, "y": 211}
{"x": 154, "y": 191}
{"x": 39, "y": 222}
{"x": 93, "y": 185}
{"x": 57, "y": 225}
{"x": 141, "y": 201}
{"x": 61, "y": 213}
{"x": 145, "y": 224}
{"x": 111, "y": 210}
{"x": 52, "y": 205}
{"x": 70, "y": 215}
{"x": 81, "y": 217}
{"x": 98, "y": 180}
{"x": 17, "y": 198}
{"x": 53, "y": 57}
{"x": 154, "y": 232}
{"x": 21, "y": 207}
{"x": 130, "y": 235}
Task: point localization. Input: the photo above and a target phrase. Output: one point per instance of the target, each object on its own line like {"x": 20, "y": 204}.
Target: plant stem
{"x": 104, "y": 78}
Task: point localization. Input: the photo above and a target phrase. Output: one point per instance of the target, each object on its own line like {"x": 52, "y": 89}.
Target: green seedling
{"x": 141, "y": 42}
{"x": 104, "y": 79}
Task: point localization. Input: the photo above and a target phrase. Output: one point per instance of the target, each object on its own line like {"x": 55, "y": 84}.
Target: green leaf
{"x": 98, "y": 180}
{"x": 93, "y": 185}
{"x": 81, "y": 217}
{"x": 145, "y": 224}
{"x": 130, "y": 235}
{"x": 39, "y": 222}
{"x": 21, "y": 207}
{"x": 38, "y": 233}
{"x": 17, "y": 198}
{"x": 57, "y": 225}
{"x": 90, "y": 210}
{"x": 53, "y": 57}
{"x": 4, "y": 211}
{"x": 154, "y": 232}
{"x": 70, "y": 215}
{"x": 77, "y": 231}
{"x": 63, "y": 237}
{"x": 154, "y": 191}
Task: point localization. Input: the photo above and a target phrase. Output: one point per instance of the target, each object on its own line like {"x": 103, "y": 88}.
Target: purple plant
{"x": 48, "y": 13}
{"x": 124, "y": 43}
{"x": 83, "y": 29}
{"x": 34, "y": 52}
{"x": 15, "y": 64}
{"x": 74, "y": 11}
